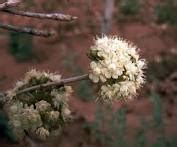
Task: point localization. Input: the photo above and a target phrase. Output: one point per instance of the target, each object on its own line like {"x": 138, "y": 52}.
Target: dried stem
{"x": 61, "y": 82}
{"x": 107, "y": 17}
{"x": 29, "y": 30}
{"x": 3, "y": 6}
{"x": 53, "y": 16}
{"x": 32, "y": 31}
{"x": 9, "y": 3}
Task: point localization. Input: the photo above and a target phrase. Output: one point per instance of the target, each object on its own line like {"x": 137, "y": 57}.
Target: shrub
{"x": 21, "y": 46}
{"x": 129, "y": 7}
{"x": 166, "y": 12}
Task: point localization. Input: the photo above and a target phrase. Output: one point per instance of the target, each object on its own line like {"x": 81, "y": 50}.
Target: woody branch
{"x": 4, "y": 7}
{"x": 61, "y": 82}
{"x": 52, "y": 16}
{"x": 36, "y": 87}
{"x": 9, "y": 3}
{"x": 29, "y": 30}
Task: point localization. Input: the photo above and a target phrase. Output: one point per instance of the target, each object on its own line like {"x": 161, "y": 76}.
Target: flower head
{"x": 115, "y": 64}
{"x": 40, "y": 112}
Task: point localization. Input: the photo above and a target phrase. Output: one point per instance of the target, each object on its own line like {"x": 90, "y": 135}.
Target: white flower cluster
{"x": 115, "y": 64}
{"x": 40, "y": 112}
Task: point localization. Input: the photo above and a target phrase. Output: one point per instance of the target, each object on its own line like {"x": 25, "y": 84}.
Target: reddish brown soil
{"x": 153, "y": 40}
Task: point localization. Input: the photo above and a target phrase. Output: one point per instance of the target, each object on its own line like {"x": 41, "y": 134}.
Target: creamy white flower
{"x": 117, "y": 91}
{"x": 19, "y": 84}
{"x": 42, "y": 106}
{"x": 68, "y": 91}
{"x": 58, "y": 99}
{"x": 95, "y": 78}
{"x": 66, "y": 112}
{"x": 16, "y": 107}
{"x": 56, "y": 78}
{"x": 127, "y": 88}
{"x": 30, "y": 118}
{"x": 34, "y": 73}
{"x": 131, "y": 70}
{"x": 115, "y": 61}
{"x": 42, "y": 133}
{"x": 54, "y": 115}
{"x": 62, "y": 99}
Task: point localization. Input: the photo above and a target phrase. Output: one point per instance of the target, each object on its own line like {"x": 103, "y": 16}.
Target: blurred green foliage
{"x": 129, "y": 7}
{"x": 110, "y": 128}
{"x": 110, "y": 131}
{"x": 140, "y": 138}
{"x": 158, "y": 71}
{"x": 21, "y": 46}
{"x": 157, "y": 110}
{"x": 30, "y": 3}
{"x": 167, "y": 11}
{"x": 84, "y": 89}
{"x": 54, "y": 4}
{"x": 5, "y": 131}
{"x": 118, "y": 128}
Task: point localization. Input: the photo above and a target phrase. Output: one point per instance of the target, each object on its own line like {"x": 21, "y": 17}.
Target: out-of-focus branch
{"x": 28, "y": 30}
{"x": 53, "y": 16}
{"x": 107, "y": 16}
{"x": 61, "y": 82}
{"x": 9, "y": 3}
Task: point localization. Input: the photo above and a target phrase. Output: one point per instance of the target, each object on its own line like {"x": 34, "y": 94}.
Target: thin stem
{"x": 9, "y": 3}
{"x": 3, "y": 6}
{"x": 61, "y": 82}
{"x": 29, "y": 30}
{"x": 53, "y": 16}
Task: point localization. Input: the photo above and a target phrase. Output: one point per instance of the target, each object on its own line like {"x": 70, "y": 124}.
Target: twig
{"x": 61, "y": 82}
{"x": 3, "y": 6}
{"x": 107, "y": 17}
{"x": 53, "y": 16}
{"x": 28, "y": 30}
{"x": 9, "y": 3}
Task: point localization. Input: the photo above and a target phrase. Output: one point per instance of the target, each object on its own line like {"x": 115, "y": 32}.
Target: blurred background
{"x": 150, "y": 119}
